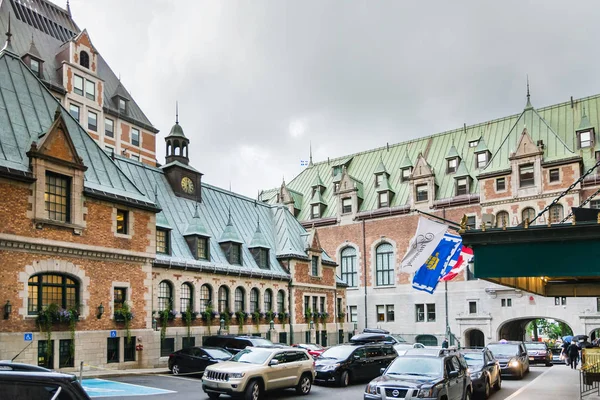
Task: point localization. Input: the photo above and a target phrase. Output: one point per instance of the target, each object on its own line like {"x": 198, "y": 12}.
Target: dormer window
{"x": 462, "y": 186}
{"x": 84, "y": 59}
{"x": 452, "y": 165}
{"x": 315, "y": 211}
{"x": 384, "y": 199}
{"x": 585, "y": 139}
{"x": 406, "y": 174}
{"x": 35, "y": 67}
{"x": 122, "y": 105}
{"x": 421, "y": 191}
{"x": 473, "y": 143}
{"x": 201, "y": 248}
{"x": 526, "y": 176}
{"x": 346, "y": 205}
{"x": 378, "y": 180}
{"x": 481, "y": 160}
{"x": 261, "y": 256}
{"x": 162, "y": 241}
{"x": 234, "y": 255}
{"x": 337, "y": 170}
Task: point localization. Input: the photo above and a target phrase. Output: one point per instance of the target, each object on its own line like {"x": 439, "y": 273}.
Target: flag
{"x": 438, "y": 263}
{"x": 428, "y": 236}
{"x": 466, "y": 254}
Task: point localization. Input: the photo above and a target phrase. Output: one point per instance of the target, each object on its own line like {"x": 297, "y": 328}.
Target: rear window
{"x": 504, "y": 349}
{"x": 218, "y": 354}
{"x": 260, "y": 342}
{"x": 535, "y": 346}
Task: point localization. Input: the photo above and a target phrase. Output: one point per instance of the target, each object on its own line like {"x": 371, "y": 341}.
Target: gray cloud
{"x": 347, "y": 76}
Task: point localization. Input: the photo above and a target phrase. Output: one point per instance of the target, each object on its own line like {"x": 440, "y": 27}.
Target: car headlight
{"x": 330, "y": 367}
{"x": 476, "y": 375}
{"x": 427, "y": 391}
{"x": 513, "y": 363}
{"x": 372, "y": 388}
{"x": 236, "y": 375}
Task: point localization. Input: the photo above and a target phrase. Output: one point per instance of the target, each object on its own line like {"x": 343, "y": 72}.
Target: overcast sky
{"x": 257, "y": 80}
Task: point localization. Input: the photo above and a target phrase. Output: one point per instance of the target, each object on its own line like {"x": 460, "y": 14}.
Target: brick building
{"x": 116, "y": 261}
{"x": 500, "y": 172}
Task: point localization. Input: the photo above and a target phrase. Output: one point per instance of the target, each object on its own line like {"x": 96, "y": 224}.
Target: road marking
{"x": 521, "y": 390}
{"x": 103, "y": 388}
{"x": 179, "y": 377}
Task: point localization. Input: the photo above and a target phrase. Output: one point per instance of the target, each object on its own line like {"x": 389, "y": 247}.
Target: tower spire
{"x": 310, "y": 162}
{"x": 176, "y": 112}
{"x": 8, "y": 45}
{"x": 68, "y": 8}
{"x": 528, "y": 105}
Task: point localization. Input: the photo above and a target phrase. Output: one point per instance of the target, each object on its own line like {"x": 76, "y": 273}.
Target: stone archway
{"x": 514, "y": 329}
{"x": 474, "y": 338}
{"x": 427, "y": 340}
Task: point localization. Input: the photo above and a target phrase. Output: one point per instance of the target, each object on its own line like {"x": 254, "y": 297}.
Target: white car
{"x": 401, "y": 348}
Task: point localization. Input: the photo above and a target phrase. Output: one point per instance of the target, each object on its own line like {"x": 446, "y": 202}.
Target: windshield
{"x": 403, "y": 346}
{"x": 399, "y": 338}
{"x": 261, "y": 342}
{"x": 218, "y": 354}
{"x": 473, "y": 358}
{"x": 312, "y": 346}
{"x": 252, "y": 356}
{"x": 535, "y": 346}
{"x": 414, "y": 366}
{"x": 504, "y": 349}
{"x": 338, "y": 352}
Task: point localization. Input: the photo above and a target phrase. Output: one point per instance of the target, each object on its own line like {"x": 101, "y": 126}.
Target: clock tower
{"x": 183, "y": 178}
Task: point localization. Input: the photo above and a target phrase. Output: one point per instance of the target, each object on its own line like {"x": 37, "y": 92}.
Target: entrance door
{"x": 475, "y": 338}
{"x": 427, "y": 340}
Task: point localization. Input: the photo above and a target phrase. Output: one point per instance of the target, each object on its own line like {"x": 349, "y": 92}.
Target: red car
{"x": 314, "y": 350}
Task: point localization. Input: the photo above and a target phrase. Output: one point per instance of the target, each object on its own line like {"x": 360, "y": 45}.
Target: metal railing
{"x": 589, "y": 380}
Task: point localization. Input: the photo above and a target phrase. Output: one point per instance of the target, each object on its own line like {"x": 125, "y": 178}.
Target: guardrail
{"x": 590, "y": 356}
{"x": 589, "y": 378}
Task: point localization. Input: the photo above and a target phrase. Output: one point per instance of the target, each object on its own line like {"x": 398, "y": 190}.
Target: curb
{"x": 121, "y": 373}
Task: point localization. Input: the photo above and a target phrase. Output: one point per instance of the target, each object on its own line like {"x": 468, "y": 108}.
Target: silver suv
{"x": 255, "y": 370}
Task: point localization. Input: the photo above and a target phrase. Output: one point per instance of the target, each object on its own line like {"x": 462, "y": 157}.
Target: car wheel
{"x": 344, "y": 379}
{"x": 252, "y": 391}
{"x": 486, "y": 389}
{"x": 213, "y": 395}
{"x": 304, "y": 385}
{"x": 498, "y": 384}
{"x": 175, "y": 369}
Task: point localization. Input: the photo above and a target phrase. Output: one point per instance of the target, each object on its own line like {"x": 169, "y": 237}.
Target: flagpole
{"x": 450, "y": 338}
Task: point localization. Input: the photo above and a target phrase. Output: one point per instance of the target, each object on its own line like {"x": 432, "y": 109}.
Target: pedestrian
{"x": 445, "y": 343}
{"x": 573, "y": 353}
{"x": 565, "y": 353}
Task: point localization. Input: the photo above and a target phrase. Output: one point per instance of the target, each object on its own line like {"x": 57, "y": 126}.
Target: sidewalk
{"x": 558, "y": 382}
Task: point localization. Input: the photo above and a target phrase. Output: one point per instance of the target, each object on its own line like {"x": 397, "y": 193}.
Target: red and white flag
{"x": 466, "y": 254}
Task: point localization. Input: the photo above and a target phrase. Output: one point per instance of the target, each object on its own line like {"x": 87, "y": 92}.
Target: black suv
{"x": 344, "y": 363}
{"x": 512, "y": 356}
{"x": 539, "y": 353}
{"x": 40, "y": 385}
{"x": 427, "y": 374}
{"x": 234, "y": 343}
{"x": 484, "y": 370}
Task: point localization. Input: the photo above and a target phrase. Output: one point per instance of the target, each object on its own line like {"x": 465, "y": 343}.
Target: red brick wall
{"x": 302, "y": 275}
{"x": 488, "y": 186}
{"x": 567, "y": 177}
{"x": 149, "y": 142}
{"x": 300, "y": 292}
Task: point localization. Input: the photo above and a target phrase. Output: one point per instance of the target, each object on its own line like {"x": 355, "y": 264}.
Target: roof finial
{"x": 528, "y": 105}
{"x": 8, "y": 45}
{"x": 68, "y": 8}
{"x": 196, "y": 213}
{"x": 310, "y": 163}
{"x": 583, "y": 115}
{"x": 230, "y": 186}
{"x": 229, "y": 216}
{"x": 176, "y": 112}
{"x": 527, "y": 86}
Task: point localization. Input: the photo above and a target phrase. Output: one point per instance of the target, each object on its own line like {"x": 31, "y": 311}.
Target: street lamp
{"x": 272, "y": 325}
{"x": 312, "y": 324}
{"x": 222, "y": 326}
{"x": 100, "y": 311}
{"x": 7, "y": 309}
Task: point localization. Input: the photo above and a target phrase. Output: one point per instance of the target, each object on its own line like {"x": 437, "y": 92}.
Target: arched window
{"x": 268, "y": 300}
{"x": 528, "y": 213}
{"x": 254, "y": 300}
{"x": 84, "y": 59}
{"x": 205, "y": 297}
{"x": 502, "y": 219}
{"x": 384, "y": 269}
{"x": 223, "y": 299}
{"x": 239, "y": 300}
{"x": 281, "y": 301}
{"x": 348, "y": 266}
{"x": 165, "y": 296}
{"x": 46, "y": 289}
{"x": 556, "y": 213}
{"x": 187, "y": 298}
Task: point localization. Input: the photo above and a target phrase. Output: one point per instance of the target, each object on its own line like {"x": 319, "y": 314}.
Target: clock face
{"x": 187, "y": 185}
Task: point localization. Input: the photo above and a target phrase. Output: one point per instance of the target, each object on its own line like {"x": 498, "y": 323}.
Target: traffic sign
{"x": 28, "y": 337}
{"x": 113, "y": 333}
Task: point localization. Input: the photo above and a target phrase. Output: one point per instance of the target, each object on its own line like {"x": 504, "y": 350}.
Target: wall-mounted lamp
{"x": 312, "y": 324}
{"x": 154, "y": 324}
{"x": 222, "y": 326}
{"x": 272, "y": 325}
{"x": 100, "y": 311}
{"x": 7, "y": 309}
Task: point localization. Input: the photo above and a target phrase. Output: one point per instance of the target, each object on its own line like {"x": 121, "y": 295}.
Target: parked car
{"x": 234, "y": 343}
{"x": 11, "y": 366}
{"x": 512, "y": 357}
{"x": 377, "y": 335}
{"x": 556, "y": 351}
{"x": 258, "y": 369}
{"x": 394, "y": 337}
{"x": 314, "y": 350}
{"x": 40, "y": 385}
{"x": 196, "y": 359}
{"x": 484, "y": 370}
{"x": 346, "y": 363}
{"x": 402, "y": 348}
{"x": 539, "y": 353}
{"x": 429, "y": 374}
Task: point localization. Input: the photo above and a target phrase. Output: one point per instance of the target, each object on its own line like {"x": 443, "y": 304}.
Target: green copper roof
{"x": 481, "y": 146}
{"x": 176, "y": 131}
{"x": 452, "y": 153}
{"x": 317, "y": 198}
{"x": 196, "y": 227}
{"x": 259, "y": 240}
{"x": 462, "y": 170}
{"x": 555, "y": 125}
{"x": 380, "y": 168}
{"x": 385, "y": 184}
{"x": 585, "y": 122}
{"x": 230, "y": 233}
{"x": 318, "y": 181}
{"x": 27, "y": 110}
{"x": 161, "y": 221}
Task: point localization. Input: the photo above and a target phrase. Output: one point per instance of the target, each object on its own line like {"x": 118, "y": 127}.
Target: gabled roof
{"x": 406, "y": 163}
{"x": 452, "y": 153}
{"x": 585, "y": 122}
{"x": 317, "y": 181}
{"x": 120, "y": 91}
{"x": 28, "y": 110}
{"x": 259, "y": 240}
{"x": 385, "y": 184}
{"x": 195, "y": 226}
{"x": 51, "y": 27}
{"x": 230, "y": 234}
{"x": 317, "y": 198}
{"x": 462, "y": 170}
{"x": 481, "y": 146}
{"x": 380, "y": 168}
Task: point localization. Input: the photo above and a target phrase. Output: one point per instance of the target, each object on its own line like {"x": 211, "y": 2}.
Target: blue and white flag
{"x": 438, "y": 263}
{"x": 422, "y": 245}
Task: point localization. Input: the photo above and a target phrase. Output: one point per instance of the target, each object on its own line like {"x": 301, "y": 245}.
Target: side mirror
{"x": 453, "y": 374}
{"x": 490, "y": 363}
{"x": 272, "y": 363}
{"x": 381, "y": 371}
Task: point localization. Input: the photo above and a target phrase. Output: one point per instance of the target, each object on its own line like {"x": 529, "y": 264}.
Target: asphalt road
{"x": 186, "y": 387}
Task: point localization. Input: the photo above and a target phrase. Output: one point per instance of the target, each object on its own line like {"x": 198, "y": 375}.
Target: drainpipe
{"x": 365, "y": 269}
{"x": 448, "y": 332}
{"x": 292, "y": 315}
